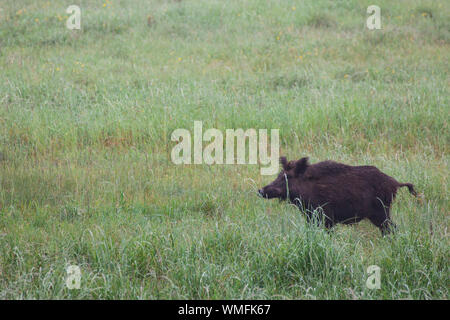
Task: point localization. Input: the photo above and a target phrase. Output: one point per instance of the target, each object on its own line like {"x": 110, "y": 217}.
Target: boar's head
{"x": 292, "y": 173}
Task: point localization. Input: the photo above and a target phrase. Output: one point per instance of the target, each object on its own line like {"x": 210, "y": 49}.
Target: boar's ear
{"x": 301, "y": 166}
{"x": 284, "y": 163}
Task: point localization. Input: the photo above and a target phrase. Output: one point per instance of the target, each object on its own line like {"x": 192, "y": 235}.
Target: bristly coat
{"x": 346, "y": 194}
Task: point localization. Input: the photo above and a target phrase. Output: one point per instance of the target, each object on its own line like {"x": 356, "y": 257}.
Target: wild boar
{"x": 346, "y": 194}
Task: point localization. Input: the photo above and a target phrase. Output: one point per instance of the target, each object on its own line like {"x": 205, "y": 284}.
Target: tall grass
{"x": 85, "y": 123}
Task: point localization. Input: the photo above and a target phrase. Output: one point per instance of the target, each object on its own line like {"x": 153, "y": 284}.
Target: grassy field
{"x": 85, "y": 122}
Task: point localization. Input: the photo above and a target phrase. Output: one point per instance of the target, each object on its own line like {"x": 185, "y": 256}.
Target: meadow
{"x": 86, "y": 177}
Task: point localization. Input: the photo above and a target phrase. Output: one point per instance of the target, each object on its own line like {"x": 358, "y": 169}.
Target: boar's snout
{"x": 270, "y": 192}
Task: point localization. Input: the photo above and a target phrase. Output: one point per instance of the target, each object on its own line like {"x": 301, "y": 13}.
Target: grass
{"x": 85, "y": 123}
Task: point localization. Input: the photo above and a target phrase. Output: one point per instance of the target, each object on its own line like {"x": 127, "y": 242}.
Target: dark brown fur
{"x": 346, "y": 194}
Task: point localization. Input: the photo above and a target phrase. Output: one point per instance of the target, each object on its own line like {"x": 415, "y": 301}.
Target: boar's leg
{"x": 329, "y": 224}
{"x": 388, "y": 227}
{"x": 383, "y": 221}
{"x": 320, "y": 220}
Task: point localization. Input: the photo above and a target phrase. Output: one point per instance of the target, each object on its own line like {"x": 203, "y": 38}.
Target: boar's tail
{"x": 410, "y": 188}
